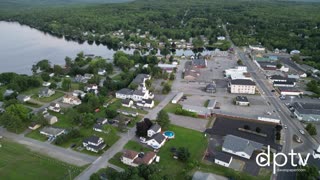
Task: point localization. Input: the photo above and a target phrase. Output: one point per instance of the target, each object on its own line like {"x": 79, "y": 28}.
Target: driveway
{"x": 189, "y": 122}
{"x": 62, "y": 154}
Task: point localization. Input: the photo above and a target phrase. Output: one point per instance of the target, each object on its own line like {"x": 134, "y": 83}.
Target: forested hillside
{"x": 275, "y": 24}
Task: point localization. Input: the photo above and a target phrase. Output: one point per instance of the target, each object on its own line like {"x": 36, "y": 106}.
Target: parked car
{"x": 301, "y": 131}
{"x": 285, "y": 126}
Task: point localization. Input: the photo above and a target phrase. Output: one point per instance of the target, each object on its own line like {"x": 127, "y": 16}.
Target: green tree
{"x": 166, "y": 88}
{"x": 279, "y": 65}
{"x": 66, "y": 84}
{"x": 312, "y": 130}
{"x": 44, "y": 65}
{"x": 163, "y": 119}
{"x": 45, "y": 76}
{"x": 15, "y": 118}
{"x": 311, "y": 172}
{"x": 183, "y": 154}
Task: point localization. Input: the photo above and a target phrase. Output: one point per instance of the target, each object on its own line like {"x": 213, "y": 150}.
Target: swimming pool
{"x": 169, "y": 134}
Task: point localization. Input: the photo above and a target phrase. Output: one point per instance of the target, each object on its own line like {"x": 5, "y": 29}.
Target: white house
{"x": 240, "y": 146}
{"x": 223, "y": 159}
{"x": 221, "y": 38}
{"x": 78, "y": 93}
{"x": 46, "y": 84}
{"x": 52, "y": 132}
{"x": 154, "y": 129}
{"x": 23, "y": 98}
{"x": 94, "y": 144}
{"x": 68, "y": 99}
{"x": 133, "y": 158}
{"x": 97, "y": 127}
{"x": 102, "y": 72}
{"x": 54, "y": 107}
{"x": 156, "y": 141}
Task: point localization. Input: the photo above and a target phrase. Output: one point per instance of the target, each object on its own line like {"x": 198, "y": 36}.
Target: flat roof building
{"x": 307, "y": 111}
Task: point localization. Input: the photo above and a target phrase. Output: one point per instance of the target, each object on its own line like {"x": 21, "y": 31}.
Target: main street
{"x": 309, "y": 144}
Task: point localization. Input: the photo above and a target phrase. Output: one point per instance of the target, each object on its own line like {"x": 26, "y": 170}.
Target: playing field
{"x": 18, "y": 162}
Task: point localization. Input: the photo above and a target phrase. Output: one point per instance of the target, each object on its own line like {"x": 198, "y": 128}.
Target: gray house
{"x": 46, "y": 92}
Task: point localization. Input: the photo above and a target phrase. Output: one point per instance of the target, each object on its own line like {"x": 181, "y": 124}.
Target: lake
{"x": 22, "y": 46}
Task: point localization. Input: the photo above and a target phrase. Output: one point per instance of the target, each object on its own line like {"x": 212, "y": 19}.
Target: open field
{"x": 18, "y": 162}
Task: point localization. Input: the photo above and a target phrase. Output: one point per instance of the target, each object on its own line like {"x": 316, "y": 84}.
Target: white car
{"x": 301, "y": 131}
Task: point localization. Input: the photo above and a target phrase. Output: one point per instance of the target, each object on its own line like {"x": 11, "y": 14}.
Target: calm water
{"x": 22, "y": 46}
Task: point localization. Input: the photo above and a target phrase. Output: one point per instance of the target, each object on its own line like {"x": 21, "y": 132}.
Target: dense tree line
{"x": 18, "y": 82}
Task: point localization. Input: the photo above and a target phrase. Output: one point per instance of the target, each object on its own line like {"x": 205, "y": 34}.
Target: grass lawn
{"x": 35, "y": 134}
{"x": 18, "y": 162}
{"x": 116, "y": 104}
{"x": 171, "y": 108}
{"x": 33, "y": 91}
{"x": 115, "y": 160}
{"x": 193, "y": 140}
{"x": 133, "y": 145}
{"x": 31, "y": 104}
{"x": 109, "y": 138}
{"x": 134, "y": 121}
{"x": 49, "y": 99}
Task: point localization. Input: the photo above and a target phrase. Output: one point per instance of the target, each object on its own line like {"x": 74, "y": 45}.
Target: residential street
{"x": 102, "y": 161}
{"x": 62, "y": 154}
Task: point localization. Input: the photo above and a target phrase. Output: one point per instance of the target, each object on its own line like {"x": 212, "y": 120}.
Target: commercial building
{"x": 257, "y": 48}
{"x": 242, "y": 86}
{"x": 177, "y": 97}
{"x": 289, "y": 91}
{"x": 201, "y": 111}
{"x": 239, "y": 72}
{"x": 242, "y": 101}
{"x": 190, "y": 73}
{"x": 307, "y": 111}
{"x": 240, "y": 146}
{"x": 199, "y": 63}
{"x": 211, "y": 104}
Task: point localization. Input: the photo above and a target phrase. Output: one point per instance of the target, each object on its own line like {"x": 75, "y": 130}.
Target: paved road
{"x": 283, "y": 112}
{"x": 65, "y": 155}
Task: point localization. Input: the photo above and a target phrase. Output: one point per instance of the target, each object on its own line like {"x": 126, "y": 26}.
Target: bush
{"x": 182, "y": 112}
{"x": 311, "y": 129}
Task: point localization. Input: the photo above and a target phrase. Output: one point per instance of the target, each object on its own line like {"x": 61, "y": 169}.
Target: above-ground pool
{"x": 169, "y": 134}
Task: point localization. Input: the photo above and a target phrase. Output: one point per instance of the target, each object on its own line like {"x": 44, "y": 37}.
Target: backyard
{"x": 17, "y": 158}
{"x": 110, "y": 138}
